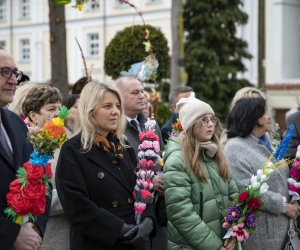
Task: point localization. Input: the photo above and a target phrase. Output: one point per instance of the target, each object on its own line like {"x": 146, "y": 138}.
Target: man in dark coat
{"x": 132, "y": 92}
{"x": 14, "y": 151}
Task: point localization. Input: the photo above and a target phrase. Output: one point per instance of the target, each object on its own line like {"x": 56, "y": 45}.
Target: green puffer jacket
{"x": 194, "y": 208}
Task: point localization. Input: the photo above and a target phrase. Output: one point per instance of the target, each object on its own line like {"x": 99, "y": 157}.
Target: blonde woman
{"x": 19, "y": 97}
{"x": 246, "y": 92}
{"x": 197, "y": 180}
{"x": 95, "y": 177}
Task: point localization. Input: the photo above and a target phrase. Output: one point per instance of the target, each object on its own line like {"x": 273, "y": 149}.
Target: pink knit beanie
{"x": 190, "y": 109}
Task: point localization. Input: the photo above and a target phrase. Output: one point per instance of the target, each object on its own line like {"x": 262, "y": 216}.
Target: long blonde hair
{"x": 192, "y": 153}
{"x": 90, "y": 96}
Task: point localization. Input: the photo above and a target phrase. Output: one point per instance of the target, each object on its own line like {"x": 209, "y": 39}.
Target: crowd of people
{"x": 91, "y": 205}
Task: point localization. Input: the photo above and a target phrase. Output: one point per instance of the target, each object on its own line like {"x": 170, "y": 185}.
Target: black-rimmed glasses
{"x": 7, "y": 72}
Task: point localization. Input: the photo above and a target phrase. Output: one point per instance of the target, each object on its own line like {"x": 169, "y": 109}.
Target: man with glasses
{"x": 14, "y": 151}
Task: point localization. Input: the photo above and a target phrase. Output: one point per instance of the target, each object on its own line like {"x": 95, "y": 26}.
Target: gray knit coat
{"x": 245, "y": 156}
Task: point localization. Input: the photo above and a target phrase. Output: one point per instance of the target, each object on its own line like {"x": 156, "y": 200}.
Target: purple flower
{"x": 233, "y": 213}
{"x": 250, "y": 220}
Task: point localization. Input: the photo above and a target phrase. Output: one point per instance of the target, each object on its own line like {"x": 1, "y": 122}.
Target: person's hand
{"x": 228, "y": 246}
{"x": 27, "y": 238}
{"x": 158, "y": 184}
{"x": 128, "y": 231}
{"x": 293, "y": 210}
{"x": 143, "y": 233}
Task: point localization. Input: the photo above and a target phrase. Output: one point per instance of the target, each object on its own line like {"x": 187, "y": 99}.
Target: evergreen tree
{"x": 127, "y": 48}
{"x": 213, "y": 52}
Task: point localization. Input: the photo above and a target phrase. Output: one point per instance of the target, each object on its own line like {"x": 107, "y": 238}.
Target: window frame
{"x": 91, "y": 42}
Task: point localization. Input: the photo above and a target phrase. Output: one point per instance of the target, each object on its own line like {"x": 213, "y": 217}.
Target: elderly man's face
{"x": 7, "y": 85}
{"x": 133, "y": 97}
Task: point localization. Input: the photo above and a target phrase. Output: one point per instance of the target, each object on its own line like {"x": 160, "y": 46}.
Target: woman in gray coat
{"x": 246, "y": 150}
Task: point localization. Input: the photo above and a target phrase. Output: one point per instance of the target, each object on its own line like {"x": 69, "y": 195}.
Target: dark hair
{"x": 176, "y": 91}
{"x": 244, "y": 116}
{"x": 70, "y": 100}
{"x": 38, "y": 96}
{"x": 79, "y": 84}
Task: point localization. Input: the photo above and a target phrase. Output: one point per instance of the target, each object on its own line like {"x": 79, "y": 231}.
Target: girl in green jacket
{"x": 197, "y": 181}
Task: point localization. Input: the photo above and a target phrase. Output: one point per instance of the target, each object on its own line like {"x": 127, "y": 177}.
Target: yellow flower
{"x": 80, "y": 7}
{"x": 40, "y": 136}
{"x": 58, "y": 121}
{"x": 19, "y": 219}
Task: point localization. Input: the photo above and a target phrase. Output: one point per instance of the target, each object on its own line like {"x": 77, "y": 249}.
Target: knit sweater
{"x": 245, "y": 156}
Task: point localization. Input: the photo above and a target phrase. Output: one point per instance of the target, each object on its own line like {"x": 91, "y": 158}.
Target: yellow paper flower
{"x": 80, "y": 7}
{"x": 58, "y": 121}
{"x": 147, "y": 46}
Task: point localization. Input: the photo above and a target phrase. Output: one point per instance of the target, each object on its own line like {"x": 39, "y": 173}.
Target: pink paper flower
{"x": 139, "y": 207}
{"x": 239, "y": 232}
{"x": 156, "y": 146}
{"x": 145, "y": 145}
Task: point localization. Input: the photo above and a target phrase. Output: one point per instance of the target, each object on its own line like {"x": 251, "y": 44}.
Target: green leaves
{"x": 127, "y": 48}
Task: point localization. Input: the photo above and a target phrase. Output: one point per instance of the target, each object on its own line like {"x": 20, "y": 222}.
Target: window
{"x": 93, "y": 5}
{"x": 24, "y": 9}
{"x": 93, "y": 44}
{"x": 120, "y": 4}
{"x": 2, "y": 10}
{"x": 24, "y": 50}
{"x": 3, "y": 44}
{"x": 153, "y": 1}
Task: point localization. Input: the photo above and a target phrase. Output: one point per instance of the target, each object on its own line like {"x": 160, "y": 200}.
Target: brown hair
{"x": 38, "y": 96}
{"x": 192, "y": 153}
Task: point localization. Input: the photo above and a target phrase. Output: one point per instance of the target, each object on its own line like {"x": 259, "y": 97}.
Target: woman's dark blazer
{"x": 96, "y": 195}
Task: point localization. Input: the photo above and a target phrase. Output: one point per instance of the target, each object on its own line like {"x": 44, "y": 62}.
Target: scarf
{"x": 111, "y": 146}
{"x": 210, "y": 148}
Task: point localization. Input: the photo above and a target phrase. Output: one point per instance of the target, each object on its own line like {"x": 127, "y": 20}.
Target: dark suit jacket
{"x": 133, "y": 135}
{"x": 96, "y": 195}
{"x": 295, "y": 141}
{"x": 17, "y": 131}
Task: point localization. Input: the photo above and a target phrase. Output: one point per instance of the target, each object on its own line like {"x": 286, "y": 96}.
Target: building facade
{"x": 24, "y": 31}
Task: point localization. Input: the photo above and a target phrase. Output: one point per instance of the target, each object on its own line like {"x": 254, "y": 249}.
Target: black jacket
{"x": 96, "y": 195}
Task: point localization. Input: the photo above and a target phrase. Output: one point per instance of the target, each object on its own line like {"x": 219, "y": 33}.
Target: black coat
{"x": 96, "y": 195}
{"x": 17, "y": 131}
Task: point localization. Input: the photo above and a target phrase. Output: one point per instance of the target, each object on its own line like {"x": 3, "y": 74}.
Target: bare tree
{"x": 59, "y": 67}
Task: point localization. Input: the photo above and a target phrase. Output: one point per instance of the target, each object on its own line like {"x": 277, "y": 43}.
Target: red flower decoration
{"x": 39, "y": 206}
{"x": 48, "y": 171}
{"x": 15, "y": 186}
{"x": 19, "y": 203}
{"x": 254, "y": 204}
{"x": 149, "y": 135}
{"x": 145, "y": 194}
{"x": 33, "y": 173}
{"x": 243, "y": 197}
{"x": 34, "y": 191}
